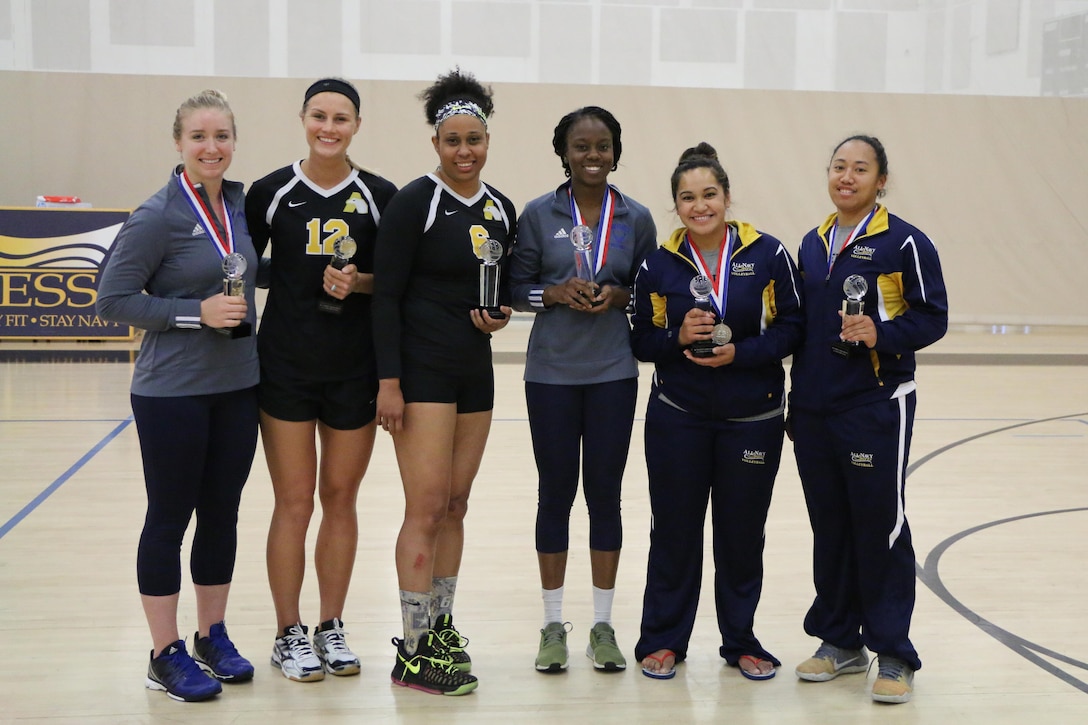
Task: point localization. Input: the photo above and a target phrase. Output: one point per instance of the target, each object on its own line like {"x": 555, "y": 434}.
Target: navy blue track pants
{"x": 853, "y": 466}
{"x": 691, "y": 461}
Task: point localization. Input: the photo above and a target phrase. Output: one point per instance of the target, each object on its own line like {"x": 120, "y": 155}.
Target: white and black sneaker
{"x": 332, "y": 649}
{"x": 295, "y": 657}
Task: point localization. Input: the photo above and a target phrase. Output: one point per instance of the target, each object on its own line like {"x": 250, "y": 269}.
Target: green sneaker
{"x": 552, "y": 656}
{"x": 603, "y": 649}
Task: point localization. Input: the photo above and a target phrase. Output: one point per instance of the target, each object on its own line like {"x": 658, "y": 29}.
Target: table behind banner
{"x": 50, "y": 262}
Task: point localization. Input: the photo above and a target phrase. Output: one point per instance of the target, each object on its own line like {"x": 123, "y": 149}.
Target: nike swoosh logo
{"x": 451, "y": 213}
{"x": 293, "y": 204}
{"x": 414, "y": 669}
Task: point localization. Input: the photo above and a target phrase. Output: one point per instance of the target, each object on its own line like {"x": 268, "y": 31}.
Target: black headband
{"x": 333, "y": 85}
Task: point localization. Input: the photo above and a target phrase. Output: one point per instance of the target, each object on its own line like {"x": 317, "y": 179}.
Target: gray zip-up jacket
{"x": 164, "y": 250}
{"x": 567, "y": 347}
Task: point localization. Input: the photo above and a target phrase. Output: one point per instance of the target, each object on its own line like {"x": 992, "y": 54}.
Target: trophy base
{"x": 843, "y": 348}
{"x": 703, "y": 348}
{"x": 494, "y": 312}
{"x": 330, "y": 306}
{"x": 245, "y": 329}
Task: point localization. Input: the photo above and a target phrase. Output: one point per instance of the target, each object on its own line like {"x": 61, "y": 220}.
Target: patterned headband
{"x": 455, "y": 108}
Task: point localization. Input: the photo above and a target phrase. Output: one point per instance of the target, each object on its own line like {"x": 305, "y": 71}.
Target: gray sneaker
{"x": 894, "y": 680}
{"x": 552, "y": 656}
{"x": 603, "y": 649}
{"x": 830, "y": 661}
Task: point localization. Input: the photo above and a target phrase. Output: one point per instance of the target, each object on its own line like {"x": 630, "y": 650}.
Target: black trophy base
{"x": 494, "y": 312}
{"x": 842, "y": 348}
{"x": 245, "y": 329}
{"x": 330, "y": 305}
{"x": 702, "y": 348}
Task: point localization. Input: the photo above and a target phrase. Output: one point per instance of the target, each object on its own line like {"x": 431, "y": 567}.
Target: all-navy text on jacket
{"x": 763, "y": 310}
{"x": 906, "y": 298}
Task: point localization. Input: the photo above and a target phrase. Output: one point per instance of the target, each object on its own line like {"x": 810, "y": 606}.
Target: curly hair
{"x": 457, "y": 85}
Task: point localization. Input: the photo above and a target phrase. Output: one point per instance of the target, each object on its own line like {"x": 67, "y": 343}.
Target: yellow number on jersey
{"x": 319, "y": 245}
{"x": 479, "y": 236}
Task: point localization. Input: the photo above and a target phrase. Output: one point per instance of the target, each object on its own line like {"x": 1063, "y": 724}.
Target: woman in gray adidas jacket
{"x": 193, "y": 391}
{"x": 580, "y": 375}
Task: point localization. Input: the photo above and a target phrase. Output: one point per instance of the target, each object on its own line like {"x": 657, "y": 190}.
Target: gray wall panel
{"x": 490, "y": 29}
{"x": 407, "y": 26}
{"x": 770, "y": 50}
{"x": 314, "y": 49}
{"x": 565, "y": 42}
{"x": 624, "y": 60}
{"x": 699, "y": 35}
{"x": 241, "y": 38}
{"x": 861, "y": 40}
{"x": 5, "y": 20}
{"x": 135, "y": 22}
{"x": 60, "y": 36}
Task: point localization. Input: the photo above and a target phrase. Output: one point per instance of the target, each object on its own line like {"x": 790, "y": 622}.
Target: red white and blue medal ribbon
{"x": 604, "y": 227}
{"x": 223, "y": 245}
{"x": 859, "y": 229}
{"x": 720, "y": 279}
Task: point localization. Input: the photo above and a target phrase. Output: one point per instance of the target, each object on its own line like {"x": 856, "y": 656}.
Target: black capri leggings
{"x": 197, "y": 451}
{"x": 592, "y": 422}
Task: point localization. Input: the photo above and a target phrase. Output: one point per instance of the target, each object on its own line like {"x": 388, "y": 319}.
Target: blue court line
{"x": 41, "y": 497}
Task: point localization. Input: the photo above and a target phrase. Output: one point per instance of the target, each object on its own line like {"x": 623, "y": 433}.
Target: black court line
{"x": 931, "y": 577}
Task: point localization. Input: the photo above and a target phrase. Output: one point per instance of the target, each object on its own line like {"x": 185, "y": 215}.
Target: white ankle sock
{"x": 553, "y": 605}
{"x": 602, "y": 605}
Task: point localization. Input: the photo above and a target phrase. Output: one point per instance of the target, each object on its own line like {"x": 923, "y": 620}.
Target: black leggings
{"x": 592, "y": 422}
{"x": 197, "y": 451}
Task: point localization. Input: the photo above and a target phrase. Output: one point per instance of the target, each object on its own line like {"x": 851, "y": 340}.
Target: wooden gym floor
{"x": 997, "y": 502}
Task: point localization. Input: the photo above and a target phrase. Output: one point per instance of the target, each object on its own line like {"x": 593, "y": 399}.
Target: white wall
{"x": 989, "y": 47}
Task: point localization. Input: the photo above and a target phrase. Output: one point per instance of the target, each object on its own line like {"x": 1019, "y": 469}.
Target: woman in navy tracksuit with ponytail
{"x": 714, "y": 423}
{"x": 852, "y": 406}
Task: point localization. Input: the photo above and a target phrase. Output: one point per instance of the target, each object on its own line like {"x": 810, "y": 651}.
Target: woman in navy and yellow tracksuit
{"x": 851, "y": 414}
{"x": 714, "y": 425}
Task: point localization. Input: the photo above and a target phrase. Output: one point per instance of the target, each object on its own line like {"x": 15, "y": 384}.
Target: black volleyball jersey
{"x": 427, "y": 275}
{"x": 302, "y": 221}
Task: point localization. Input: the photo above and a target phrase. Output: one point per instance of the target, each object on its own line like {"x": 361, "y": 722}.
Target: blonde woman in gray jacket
{"x": 193, "y": 391}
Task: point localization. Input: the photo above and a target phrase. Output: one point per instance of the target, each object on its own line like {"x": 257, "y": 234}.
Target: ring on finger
{"x": 332, "y": 289}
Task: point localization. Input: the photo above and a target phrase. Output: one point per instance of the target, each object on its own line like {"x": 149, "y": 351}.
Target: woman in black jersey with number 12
{"x": 318, "y": 380}
{"x": 436, "y": 384}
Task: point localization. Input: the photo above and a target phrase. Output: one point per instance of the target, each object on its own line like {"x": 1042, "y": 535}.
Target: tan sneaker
{"x": 830, "y": 661}
{"x": 894, "y": 681}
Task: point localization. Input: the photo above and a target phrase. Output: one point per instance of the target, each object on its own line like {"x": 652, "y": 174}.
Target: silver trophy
{"x": 343, "y": 249}
{"x": 701, "y": 288}
{"x": 581, "y": 238}
{"x": 490, "y": 253}
{"x": 234, "y": 285}
{"x": 854, "y": 287}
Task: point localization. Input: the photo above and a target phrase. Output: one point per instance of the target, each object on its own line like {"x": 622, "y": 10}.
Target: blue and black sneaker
{"x": 175, "y": 673}
{"x": 217, "y": 655}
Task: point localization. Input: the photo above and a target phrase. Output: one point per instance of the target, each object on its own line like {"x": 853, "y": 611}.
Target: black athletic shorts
{"x": 340, "y": 404}
{"x": 472, "y": 391}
